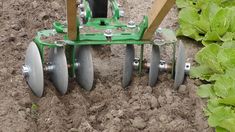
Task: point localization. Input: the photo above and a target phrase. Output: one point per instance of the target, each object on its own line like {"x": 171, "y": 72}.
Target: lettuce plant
{"x": 212, "y": 22}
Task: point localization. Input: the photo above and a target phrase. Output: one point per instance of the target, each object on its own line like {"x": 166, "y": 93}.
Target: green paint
{"x": 92, "y": 33}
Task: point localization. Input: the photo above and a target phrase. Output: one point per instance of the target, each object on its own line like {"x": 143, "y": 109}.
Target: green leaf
{"x": 220, "y": 114}
{"x": 205, "y": 91}
{"x": 229, "y": 36}
{"x": 226, "y": 57}
{"x": 224, "y": 86}
{"x": 228, "y": 3}
{"x": 215, "y": 77}
{"x": 206, "y": 43}
{"x": 230, "y": 73}
{"x": 221, "y": 22}
{"x": 232, "y": 25}
{"x": 207, "y": 112}
{"x": 228, "y": 44}
{"x": 188, "y": 15}
{"x": 188, "y": 18}
{"x": 208, "y": 56}
{"x": 202, "y": 72}
{"x": 228, "y": 124}
{"x": 219, "y": 129}
{"x": 207, "y": 53}
{"x": 189, "y": 31}
{"x": 228, "y": 100}
{"x": 211, "y": 36}
{"x": 209, "y": 12}
{"x": 202, "y": 27}
{"x": 203, "y": 4}
{"x": 184, "y": 3}
{"x": 212, "y": 104}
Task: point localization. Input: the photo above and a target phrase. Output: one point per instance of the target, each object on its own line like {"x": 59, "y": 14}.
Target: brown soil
{"x": 106, "y": 108}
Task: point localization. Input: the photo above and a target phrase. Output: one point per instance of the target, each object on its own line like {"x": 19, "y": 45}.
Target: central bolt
{"x": 122, "y": 13}
{"x": 187, "y": 68}
{"x": 108, "y": 34}
{"x": 131, "y": 24}
{"x": 136, "y": 63}
{"x": 83, "y": 14}
{"x": 25, "y": 71}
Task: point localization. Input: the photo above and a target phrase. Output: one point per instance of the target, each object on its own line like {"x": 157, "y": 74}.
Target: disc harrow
{"x": 70, "y": 46}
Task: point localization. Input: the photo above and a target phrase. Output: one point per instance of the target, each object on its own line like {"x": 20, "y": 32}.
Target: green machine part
{"x": 92, "y": 33}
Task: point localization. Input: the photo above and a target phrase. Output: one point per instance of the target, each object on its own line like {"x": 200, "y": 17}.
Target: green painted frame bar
{"x": 99, "y": 38}
{"x": 134, "y": 33}
{"x": 65, "y": 41}
{"x": 121, "y": 34}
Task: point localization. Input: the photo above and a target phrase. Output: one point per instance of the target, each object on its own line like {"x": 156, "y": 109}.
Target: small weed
{"x": 34, "y": 111}
{"x": 34, "y": 107}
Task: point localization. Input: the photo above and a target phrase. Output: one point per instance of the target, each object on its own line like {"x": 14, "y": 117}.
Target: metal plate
{"x": 128, "y": 65}
{"x": 154, "y": 65}
{"x": 34, "y": 77}
{"x": 179, "y": 67}
{"x": 85, "y": 72}
{"x": 59, "y": 72}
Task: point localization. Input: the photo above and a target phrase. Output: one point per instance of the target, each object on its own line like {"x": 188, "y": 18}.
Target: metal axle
{"x": 49, "y": 67}
{"x": 163, "y": 66}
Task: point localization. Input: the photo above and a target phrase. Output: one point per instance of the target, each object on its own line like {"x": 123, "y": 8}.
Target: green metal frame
{"x": 92, "y": 33}
{"x": 88, "y": 10}
{"x": 115, "y": 9}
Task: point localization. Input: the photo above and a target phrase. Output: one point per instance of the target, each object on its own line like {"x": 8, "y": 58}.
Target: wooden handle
{"x": 71, "y": 19}
{"x": 157, "y": 13}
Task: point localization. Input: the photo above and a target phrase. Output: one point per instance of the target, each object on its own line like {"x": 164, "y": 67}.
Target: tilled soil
{"x": 108, "y": 107}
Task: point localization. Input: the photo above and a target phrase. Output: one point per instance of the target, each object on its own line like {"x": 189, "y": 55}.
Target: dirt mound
{"x": 108, "y": 107}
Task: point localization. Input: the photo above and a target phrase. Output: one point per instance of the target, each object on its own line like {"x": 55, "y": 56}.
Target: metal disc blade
{"x": 85, "y": 72}
{"x": 179, "y": 67}
{"x": 59, "y": 73}
{"x": 35, "y": 75}
{"x": 154, "y": 63}
{"x": 128, "y": 65}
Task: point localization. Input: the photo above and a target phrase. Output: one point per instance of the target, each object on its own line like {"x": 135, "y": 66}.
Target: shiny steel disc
{"x": 154, "y": 63}
{"x": 59, "y": 69}
{"x": 33, "y": 70}
{"x": 128, "y": 65}
{"x": 180, "y": 66}
{"x": 85, "y": 72}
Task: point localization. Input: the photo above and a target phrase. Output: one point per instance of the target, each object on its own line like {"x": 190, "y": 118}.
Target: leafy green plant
{"x": 217, "y": 67}
{"x": 209, "y": 21}
{"x": 213, "y": 23}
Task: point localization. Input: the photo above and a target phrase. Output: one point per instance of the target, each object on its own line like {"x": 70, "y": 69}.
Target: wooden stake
{"x": 157, "y": 13}
{"x": 71, "y": 19}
